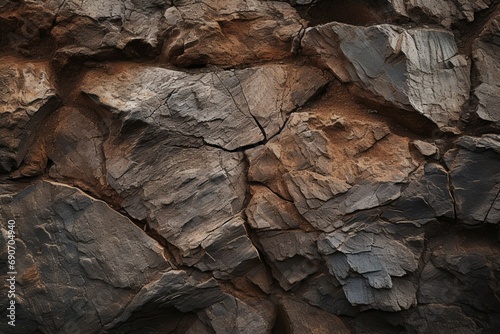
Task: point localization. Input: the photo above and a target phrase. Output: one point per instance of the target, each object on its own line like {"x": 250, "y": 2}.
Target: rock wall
{"x": 250, "y": 166}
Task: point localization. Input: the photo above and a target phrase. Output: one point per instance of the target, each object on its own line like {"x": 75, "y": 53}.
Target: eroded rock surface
{"x": 250, "y": 166}
{"x": 28, "y": 94}
{"x": 416, "y": 69}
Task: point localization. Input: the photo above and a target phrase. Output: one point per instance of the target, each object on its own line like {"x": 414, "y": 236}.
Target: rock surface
{"x": 486, "y": 53}
{"x": 28, "y": 94}
{"x": 249, "y": 166}
{"x": 417, "y": 69}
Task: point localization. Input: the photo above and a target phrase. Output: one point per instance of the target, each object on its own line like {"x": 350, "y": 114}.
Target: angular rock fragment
{"x": 474, "y": 172}
{"x": 426, "y": 197}
{"x": 322, "y": 155}
{"x": 297, "y": 317}
{"x": 440, "y": 318}
{"x": 27, "y": 95}
{"x": 230, "y": 109}
{"x": 229, "y": 33}
{"x": 293, "y": 255}
{"x": 465, "y": 275}
{"x": 233, "y": 315}
{"x": 426, "y": 149}
{"x": 443, "y": 12}
{"x": 417, "y": 69}
{"x": 372, "y": 263}
{"x": 325, "y": 292}
{"x": 75, "y": 270}
{"x": 486, "y": 53}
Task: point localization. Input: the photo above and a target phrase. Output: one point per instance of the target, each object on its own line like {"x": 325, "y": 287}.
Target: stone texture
{"x": 426, "y": 149}
{"x": 298, "y": 317}
{"x": 95, "y": 273}
{"x": 416, "y": 69}
{"x": 250, "y": 166}
{"x": 28, "y": 95}
{"x": 316, "y": 152}
{"x": 443, "y": 12}
{"x": 233, "y": 315}
{"x": 486, "y": 54}
{"x": 229, "y": 109}
{"x": 427, "y": 197}
{"x": 229, "y": 33}
{"x": 373, "y": 262}
{"x": 474, "y": 171}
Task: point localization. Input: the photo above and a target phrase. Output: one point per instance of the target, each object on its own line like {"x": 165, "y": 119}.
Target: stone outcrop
{"x": 249, "y": 166}
{"x": 416, "y": 69}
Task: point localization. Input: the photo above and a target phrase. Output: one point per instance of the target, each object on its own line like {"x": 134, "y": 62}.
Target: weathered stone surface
{"x": 443, "y": 12}
{"x": 27, "y": 95}
{"x": 229, "y": 33}
{"x": 267, "y": 211}
{"x": 76, "y": 149}
{"x": 325, "y": 292}
{"x": 486, "y": 54}
{"x": 371, "y": 262}
{"x": 322, "y": 155}
{"x": 230, "y": 109}
{"x": 298, "y": 317}
{"x": 465, "y": 275}
{"x": 440, "y": 319}
{"x": 74, "y": 269}
{"x": 426, "y": 149}
{"x": 233, "y": 315}
{"x": 416, "y": 69}
{"x": 207, "y": 173}
{"x": 293, "y": 255}
{"x": 426, "y": 197}
{"x": 474, "y": 172}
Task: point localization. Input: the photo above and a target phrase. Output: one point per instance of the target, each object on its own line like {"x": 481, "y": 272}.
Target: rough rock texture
{"x": 486, "y": 53}
{"x": 443, "y": 12}
{"x": 249, "y": 166}
{"x": 28, "y": 94}
{"x": 416, "y": 69}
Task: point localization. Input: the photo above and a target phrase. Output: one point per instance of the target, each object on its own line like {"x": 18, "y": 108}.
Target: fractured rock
{"x": 75, "y": 270}
{"x": 233, "y": 315}
{"x": 486, "y": 53}
{"x": 229, "y": 33}
{"x": 443, "y": 12}
{"x": 474, "y": 172}
{"x": 298, "y": 317}
{"x": 426, "y": 197}
{"x": 28, "y": 95}
{"x": 230, "y": 109}
{"x": 372, "y": 263}
{"x": 417, "y": 69}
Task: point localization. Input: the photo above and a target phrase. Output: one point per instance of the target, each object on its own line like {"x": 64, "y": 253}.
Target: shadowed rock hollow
{"x": 250, "y": 166}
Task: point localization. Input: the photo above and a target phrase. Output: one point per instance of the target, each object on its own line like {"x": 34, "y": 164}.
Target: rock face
{"x": 416, "y": 69}
{"x": 28, "y": 94}
{"x": 249, "y": 167}
{"x": 486, "y": 55}
{"x": 444, "y": 12}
